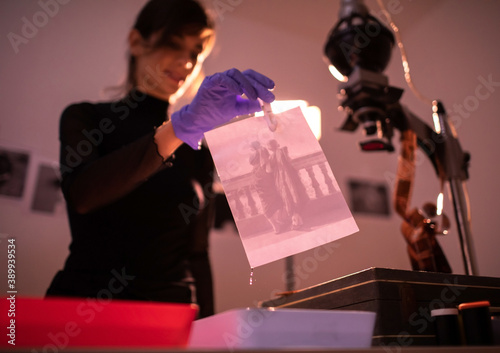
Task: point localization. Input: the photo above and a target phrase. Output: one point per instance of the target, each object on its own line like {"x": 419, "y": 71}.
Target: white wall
{"x": 81, "y": 49}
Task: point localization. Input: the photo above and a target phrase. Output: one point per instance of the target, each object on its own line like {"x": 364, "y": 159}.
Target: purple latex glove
{"x": 219, "y": 100}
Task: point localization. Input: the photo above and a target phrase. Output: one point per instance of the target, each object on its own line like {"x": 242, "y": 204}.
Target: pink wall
{"x": 78, "y": 48}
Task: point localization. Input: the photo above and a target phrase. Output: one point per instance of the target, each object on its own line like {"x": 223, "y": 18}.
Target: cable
{"x": 404, "y": 57}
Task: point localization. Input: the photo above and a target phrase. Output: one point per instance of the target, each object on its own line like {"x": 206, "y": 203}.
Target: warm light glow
{"x": 313, "y": 118}
{"x": 337, "y": 74}
{"x": 439, "y": 207}
{"x": 193, "y": 82}
{"x": 312, "y": 114}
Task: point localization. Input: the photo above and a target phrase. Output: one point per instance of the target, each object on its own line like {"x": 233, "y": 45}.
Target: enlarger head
{"x": 367, "y": 99}
{"x": 358, "y": 49}
{"x": 358, "y": 40}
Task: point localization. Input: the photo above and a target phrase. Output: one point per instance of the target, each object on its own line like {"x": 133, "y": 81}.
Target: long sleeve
{"x": 90, "y": 179}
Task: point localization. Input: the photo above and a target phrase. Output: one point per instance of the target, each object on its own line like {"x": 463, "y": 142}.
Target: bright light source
{"x": 439, "y": 202}
{"x": 337, "y": 74}
{"x": 312, "y": 114}
{"x": 313, "y": 118}
{"x": 437, "y": 123}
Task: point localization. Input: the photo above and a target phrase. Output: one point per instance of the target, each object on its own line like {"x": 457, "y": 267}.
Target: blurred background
{"x": 70, "y": 52}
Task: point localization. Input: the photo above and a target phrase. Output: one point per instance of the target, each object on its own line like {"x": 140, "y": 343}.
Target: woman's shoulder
{"x": 78, "y": 107}
{"x": 84, "y": 114}
{"x": 86, "y": 109}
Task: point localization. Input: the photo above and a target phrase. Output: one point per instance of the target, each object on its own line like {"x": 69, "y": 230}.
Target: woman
{"x": 138, "y": 225}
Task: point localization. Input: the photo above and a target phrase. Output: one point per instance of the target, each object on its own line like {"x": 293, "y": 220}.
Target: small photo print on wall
{"x": 369, "y": 197}
{"x": 47, "y": 196}
{"x": 13, "y": 172}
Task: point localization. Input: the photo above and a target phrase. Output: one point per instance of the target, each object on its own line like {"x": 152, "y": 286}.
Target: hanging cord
{"x": 406, "y": 67}
{"x": 404, "y": 57}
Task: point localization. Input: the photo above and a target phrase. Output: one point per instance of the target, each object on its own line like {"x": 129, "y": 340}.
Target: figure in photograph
{"x": 288, "y": 184}
{"x": 265, "y": 186}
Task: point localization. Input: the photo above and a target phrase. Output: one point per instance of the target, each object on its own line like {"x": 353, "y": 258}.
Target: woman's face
{"x": 160, "y": 72}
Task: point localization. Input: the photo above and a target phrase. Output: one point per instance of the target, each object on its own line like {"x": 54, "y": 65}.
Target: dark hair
{"x": 168, "y": 18}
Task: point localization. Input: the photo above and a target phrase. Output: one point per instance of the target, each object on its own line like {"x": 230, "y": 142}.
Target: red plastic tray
{"x": 57, "y": 323}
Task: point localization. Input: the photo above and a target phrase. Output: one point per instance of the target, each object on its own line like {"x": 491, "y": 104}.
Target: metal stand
{"x": 463, "y": 223}
{"x": 370, "y": 101}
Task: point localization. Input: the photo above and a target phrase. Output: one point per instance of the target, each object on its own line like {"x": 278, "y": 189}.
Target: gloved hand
{"x": 219, "y": 100}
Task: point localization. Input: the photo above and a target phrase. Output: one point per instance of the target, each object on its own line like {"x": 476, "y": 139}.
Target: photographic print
{"x": 279, "y": 186}
{"x": 369, "y": 197}
{"x": 47, "y": 195}
{"x": 13, "y": 172}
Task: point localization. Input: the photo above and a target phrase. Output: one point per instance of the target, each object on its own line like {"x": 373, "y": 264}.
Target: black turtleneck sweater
{"x": 135, "y": 222}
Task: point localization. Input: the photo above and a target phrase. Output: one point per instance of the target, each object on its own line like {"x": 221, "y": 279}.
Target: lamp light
{"x": 312, "y": 114}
